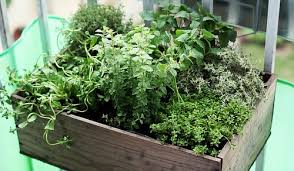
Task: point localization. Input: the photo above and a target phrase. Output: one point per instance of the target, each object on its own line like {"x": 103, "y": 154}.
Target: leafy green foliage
{"x": 174, "y": 79}
{"x": 190, "y": 35}
{"x": 130, "y": 77}
{"x": 174, "y": 17}
{"x": 227, "y": 73}
{"x": 202, "y": 123}
{"x": 90, "y": 18}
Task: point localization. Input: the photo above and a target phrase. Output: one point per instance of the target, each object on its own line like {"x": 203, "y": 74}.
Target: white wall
{"x": 22, "y": 12}
{"x": 132, "y": 8}
{"x": 64, "y": 8}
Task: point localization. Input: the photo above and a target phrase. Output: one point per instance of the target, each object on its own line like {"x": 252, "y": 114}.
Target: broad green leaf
{"x": 179, "y": 32}
{"x": 207, "y": 35}
{"x": 175, "y": 10}
{"x": 161, "y": 23}
{"x": 162, "y": 67}
{"x": 194, "y": 24}
{"x": 200, "y": 44}
{"x": 225, "y": 37}
{"x": 183, "y": 37}
{"x": 182, "y": 14}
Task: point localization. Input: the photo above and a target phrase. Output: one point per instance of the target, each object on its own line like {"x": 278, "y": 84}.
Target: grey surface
{"x": 253, "y": 14}
{"x": 271, "y": 36}
{"x": 208, "y": 4}
{"x": 43, "y": 16}
{"x": 148, "y": 5}
{"x": 4, "y": 33}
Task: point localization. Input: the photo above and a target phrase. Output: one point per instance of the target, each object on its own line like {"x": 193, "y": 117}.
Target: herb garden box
{"x": 97, "y": 146}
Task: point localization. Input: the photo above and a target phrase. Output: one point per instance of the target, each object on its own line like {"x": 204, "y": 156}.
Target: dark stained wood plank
{"x": 100, "y": 147}
{"x": 253, "y": 137}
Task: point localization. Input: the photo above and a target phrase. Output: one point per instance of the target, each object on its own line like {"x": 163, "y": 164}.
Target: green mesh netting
{"x": 23, "y": 55}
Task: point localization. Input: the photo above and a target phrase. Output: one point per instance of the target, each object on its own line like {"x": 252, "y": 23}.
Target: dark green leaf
{"x": 225, "y": 37}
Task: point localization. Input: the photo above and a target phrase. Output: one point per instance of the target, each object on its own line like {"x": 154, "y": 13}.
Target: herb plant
{"x": 90, "y": 18}
{"x": 201, "y": 123}
{"x": 179, "y": 81}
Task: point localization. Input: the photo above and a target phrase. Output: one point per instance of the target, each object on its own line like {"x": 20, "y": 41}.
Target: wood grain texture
{"x": 101, "y": 147}
{"x": 98, "y": 147}
{"x": 253, "y": 137}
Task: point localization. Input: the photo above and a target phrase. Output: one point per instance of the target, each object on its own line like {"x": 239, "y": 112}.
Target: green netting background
{"x": 23, "y": 55}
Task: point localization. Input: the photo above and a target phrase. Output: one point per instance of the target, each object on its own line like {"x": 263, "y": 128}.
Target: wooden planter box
{"x": 100, "y": 147}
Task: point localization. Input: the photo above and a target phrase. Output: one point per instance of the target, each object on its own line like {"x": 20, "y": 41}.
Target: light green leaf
{"x": 179, "y": 32}
{"x": 208, "y": 19}
{"x": 183, "y": 38}
{"x": 162, "y": 67}
{"x": 163, "y": 90}
{"x": 215, "y": 51}
{"x": 93, "y": 41}
{"x": 173, "y": 72}
{"x": 207, "y": 35}
{"x": 161, "y": 23}
{"x": 31, "y": 117}
{"x": 50, "y": 125}
{"x": 195, "y": 24}
{"x": 23, "y": 124}
{"x": 195, "y": 53}
{"x": 147, "y": 68}
{"x": 182, "y": 14}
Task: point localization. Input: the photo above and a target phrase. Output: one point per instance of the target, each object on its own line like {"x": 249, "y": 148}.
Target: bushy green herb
{"x": 201, "y": 123}
{"x": 90, "y": 18}
{"x": 228, "y": 74}
{"x": 131, "y": 78}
